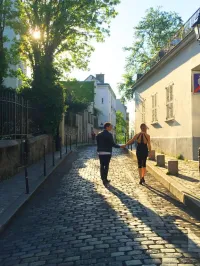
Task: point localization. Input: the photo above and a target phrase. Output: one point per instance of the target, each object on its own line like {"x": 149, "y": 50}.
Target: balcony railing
{"x": 174, "y": 41}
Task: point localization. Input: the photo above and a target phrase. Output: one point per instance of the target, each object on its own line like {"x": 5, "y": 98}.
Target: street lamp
{"x": 196, "y": 27}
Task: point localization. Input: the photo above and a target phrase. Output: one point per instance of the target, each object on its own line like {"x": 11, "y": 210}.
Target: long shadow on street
{"x": 69, "y": 223}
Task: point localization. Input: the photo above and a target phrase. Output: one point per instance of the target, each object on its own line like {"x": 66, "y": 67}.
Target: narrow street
{"x": 75, "y": 220}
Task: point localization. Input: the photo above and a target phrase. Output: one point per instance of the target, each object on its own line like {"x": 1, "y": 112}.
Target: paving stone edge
{"x": 179, "y": 191}
{"x": 7, "y": 216}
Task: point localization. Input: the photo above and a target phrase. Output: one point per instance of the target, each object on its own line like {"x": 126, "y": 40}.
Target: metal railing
{"x": 174, "y": 41}
{"x": 13, "y": 115}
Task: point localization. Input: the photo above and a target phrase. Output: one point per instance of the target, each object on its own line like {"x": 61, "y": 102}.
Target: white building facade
{"x": 122, "y": 108}
{"x": 104, "y": 101}
{"x": 167, "y": 98}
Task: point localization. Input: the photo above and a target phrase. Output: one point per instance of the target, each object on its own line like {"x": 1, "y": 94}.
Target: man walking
{"x": 105, "y": 143}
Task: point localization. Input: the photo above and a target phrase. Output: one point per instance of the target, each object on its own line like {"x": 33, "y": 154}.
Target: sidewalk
{"x": 13, "y": 191}
{"x": 185, "y": 187}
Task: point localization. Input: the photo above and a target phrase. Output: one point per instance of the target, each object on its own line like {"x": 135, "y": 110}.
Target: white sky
{"x": 109, "y": 57}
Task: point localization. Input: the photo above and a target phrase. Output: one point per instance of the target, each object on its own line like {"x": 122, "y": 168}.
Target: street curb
{"x": 179, "y": 191}
{"x": 7, "y": 216}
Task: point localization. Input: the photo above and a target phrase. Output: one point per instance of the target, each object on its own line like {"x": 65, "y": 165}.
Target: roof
{"x": 190, "y": 38}
{"x": 182, "y": 37}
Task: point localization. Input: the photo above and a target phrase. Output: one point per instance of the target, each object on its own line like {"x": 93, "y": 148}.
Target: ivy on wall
{"x": 79, "y": 95}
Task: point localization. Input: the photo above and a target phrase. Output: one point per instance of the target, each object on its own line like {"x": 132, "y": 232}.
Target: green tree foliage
{"x": 151, "y": 34}
{"x": 60, "y": 31}
{"x": 47, "y": 97}
{"x": 7, "y": 46}
{"x": 120, "y": 127}
{"x": 79, "y": 95}
{"x": 54, "y": 37}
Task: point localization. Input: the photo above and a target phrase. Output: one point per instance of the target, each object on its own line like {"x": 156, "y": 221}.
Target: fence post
{"x": 128, "y": 144}
{"x": 125, "y": 138}
{"x": 15, "y": 116}
{"x": 25, "y": 165}
{"x": 22, "y": 116}
{"x": 27, "y": 124}
{"x": 70, "y": 142}
{"x": 60, "y": 145}
{"x": 45, "y": 170}
{"x": 76, "y": 140}
{"x": 131, "y": 143}
{"x": 199, "y": 160}
{"x": 53, "y": 152}
{"x": 66, "y": 143}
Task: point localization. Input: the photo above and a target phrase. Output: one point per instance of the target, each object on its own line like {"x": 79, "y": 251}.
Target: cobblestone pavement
{"x": 12, "y": 188}
{"x": 75, "y": 220}
{"x": 188, "y": 174}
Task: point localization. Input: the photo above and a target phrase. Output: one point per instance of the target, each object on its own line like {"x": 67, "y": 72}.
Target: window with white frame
{"x": 143, "y": 111}
{"x": 154, "y": 108}
{"x": 169, "y": 102}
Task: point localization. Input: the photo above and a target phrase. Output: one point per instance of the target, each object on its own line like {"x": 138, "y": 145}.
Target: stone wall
{"x": 71, "y": 131}
{"x": 36, "y": 147}
{"x": 11, "y": 154}
{"x": 9, "y": 158}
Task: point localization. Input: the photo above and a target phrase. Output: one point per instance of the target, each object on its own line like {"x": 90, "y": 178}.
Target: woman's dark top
{"x": 142, "y": 149}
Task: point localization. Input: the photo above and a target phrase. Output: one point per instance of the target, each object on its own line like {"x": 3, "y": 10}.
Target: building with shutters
{"x": 167, "y": 96}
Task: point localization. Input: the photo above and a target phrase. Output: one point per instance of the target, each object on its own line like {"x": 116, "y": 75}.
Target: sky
{"x": 109, "y": 57}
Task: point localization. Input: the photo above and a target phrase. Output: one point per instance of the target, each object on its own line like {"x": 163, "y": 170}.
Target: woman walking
{"x": 142, "y": 151}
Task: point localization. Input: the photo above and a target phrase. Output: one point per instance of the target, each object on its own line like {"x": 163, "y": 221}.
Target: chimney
{"x": 100, "y": 77}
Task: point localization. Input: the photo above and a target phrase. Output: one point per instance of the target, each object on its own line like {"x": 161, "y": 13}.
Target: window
{"x": 143, "y": 111}
{"x": 102, "y": 100}
{"x": 154, "y": 108}
{"x": 169, "y": 102}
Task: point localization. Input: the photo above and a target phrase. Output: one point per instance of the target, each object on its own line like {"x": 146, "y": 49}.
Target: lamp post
{"x": 196, "y": 27}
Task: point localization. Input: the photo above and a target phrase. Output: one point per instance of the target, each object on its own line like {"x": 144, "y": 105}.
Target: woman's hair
{"x": 143, "y": 126}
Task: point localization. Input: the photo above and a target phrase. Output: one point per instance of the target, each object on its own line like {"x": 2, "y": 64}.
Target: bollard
{"x": 53, "y": 152}
{"x": 173, "y": 167}
{"x": 60, "y": 146}
{"x": 76, "y": 141}
{"x": 160, "y": 160}
{"x": 66, "y": 143}
{"x": 45, "y": 170}
{"x": 70, "y": 143}
{"x": 25, "y": 167}
{"x": 26, "y": 180}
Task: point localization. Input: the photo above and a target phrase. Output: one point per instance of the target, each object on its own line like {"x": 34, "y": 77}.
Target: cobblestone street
{"x": 75, "y": 220}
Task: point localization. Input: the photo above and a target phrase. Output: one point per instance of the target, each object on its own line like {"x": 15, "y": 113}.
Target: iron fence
{"x": 13, "y": 115}
{"x": 17, "y": 117}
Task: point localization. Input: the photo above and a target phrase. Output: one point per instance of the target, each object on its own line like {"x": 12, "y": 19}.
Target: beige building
{"x": 166, "y": 100}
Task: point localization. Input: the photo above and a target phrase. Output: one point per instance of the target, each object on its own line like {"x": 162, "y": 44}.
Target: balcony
{"x": 175, "y": 40}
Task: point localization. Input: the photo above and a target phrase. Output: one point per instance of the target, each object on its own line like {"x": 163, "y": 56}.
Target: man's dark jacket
{"x": 105, "y": 142}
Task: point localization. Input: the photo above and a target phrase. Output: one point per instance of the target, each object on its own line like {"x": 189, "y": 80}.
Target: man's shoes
{"x": 106, "y": 182}
{"x": 140, "y": 182}
{"x": 143, "y": 180}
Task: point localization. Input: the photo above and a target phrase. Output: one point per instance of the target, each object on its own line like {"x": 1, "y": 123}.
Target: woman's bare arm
{"x": 149, "y": 143}
{"x": 131, "y": 140}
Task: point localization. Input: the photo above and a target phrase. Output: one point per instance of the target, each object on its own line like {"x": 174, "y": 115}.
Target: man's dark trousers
{"x": 104, "y": 165}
